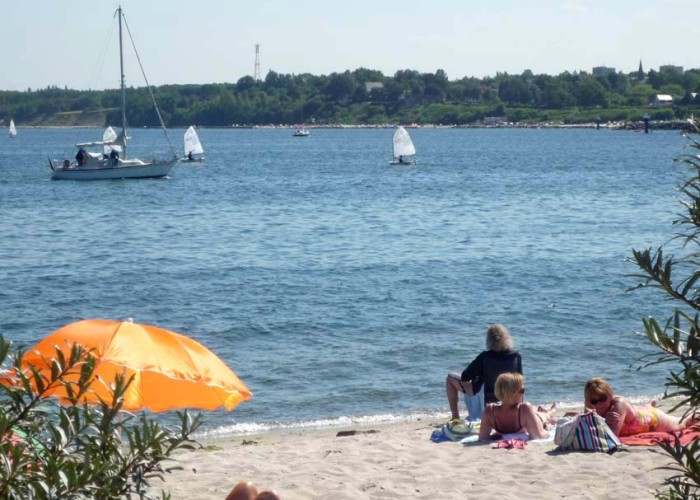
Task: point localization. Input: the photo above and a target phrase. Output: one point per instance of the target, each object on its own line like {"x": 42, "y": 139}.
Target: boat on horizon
{"x": 12, "y": 131}
{"x": 108, "y": 158}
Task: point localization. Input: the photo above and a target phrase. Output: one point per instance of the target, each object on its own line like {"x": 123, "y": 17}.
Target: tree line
{"x": 365, "y": 96}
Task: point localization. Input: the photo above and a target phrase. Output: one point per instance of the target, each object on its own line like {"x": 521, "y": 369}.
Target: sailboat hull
{"x": 136, "y": 171}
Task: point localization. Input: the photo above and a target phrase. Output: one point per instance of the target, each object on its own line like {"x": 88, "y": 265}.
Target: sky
{"x": 73, "y": 43}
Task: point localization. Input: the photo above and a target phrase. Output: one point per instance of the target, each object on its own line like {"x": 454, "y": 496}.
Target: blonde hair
{"x": 597, "y": 387}
{"x": 498, "y": 338}
{"x": 508, "y": 385}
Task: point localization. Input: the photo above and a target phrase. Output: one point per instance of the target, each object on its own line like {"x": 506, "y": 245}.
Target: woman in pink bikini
{"x": 624, "y": 418}
{"x": 512, "y": 414}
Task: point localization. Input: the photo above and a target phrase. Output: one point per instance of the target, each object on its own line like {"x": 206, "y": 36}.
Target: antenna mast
{"x": 256, "y": 74}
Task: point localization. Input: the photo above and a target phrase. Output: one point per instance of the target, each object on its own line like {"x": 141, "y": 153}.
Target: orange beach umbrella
{"x": 170, "y": 370}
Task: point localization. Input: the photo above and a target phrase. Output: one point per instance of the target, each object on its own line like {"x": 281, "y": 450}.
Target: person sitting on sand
{"x": 245, "y": 490}
{"x": 513, "y": 415}
{"x": 626, "y": 419}
{"x": 477, "y": 381}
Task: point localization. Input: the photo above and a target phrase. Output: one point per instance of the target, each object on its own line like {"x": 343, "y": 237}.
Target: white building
{"x": 662, "y": 100}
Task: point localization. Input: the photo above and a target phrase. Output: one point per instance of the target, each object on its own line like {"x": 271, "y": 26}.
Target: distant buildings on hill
{"x": 671, "y": 67}
{"x": 606, "y": 70}
{"x": 602, "y": 70}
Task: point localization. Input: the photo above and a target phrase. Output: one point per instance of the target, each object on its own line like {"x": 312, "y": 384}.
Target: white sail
{"x": 403, "y": 146}
{"x": 192, "y": 144}
{"x": 109, "y": 138}
{"x": 13, "y": 130}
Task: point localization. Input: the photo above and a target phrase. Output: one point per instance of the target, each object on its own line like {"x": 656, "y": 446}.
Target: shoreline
{"x": 622, "y": 125}
{"x": 400, "y": 461}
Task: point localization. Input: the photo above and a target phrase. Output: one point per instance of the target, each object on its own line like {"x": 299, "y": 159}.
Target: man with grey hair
{"x": 478, "y": 380}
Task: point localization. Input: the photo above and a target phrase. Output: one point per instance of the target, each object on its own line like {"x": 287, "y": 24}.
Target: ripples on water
{"x": 337, "y": 286}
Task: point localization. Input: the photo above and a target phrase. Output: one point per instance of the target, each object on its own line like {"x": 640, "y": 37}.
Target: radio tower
{"x": 256, "y": 74}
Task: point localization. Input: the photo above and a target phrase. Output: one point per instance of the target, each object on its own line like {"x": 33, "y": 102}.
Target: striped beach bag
{"x": 587, "y": 432}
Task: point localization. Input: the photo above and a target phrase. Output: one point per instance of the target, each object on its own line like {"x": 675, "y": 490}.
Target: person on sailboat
{"x": 401, "y": 159}
{"x": 80, "y": 157}
{"x": 190, "y": 157}
{"x": 114, "y": 156}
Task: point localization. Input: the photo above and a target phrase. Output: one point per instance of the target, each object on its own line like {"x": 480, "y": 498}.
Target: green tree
{"x": 674, "y": 90}
{"x": 341, "y": 86}
{"x": 678, "y": 340}
{"x": 640, "y": 95}
{"x": 514, "y": 90}
{"x": 591, "y": 93}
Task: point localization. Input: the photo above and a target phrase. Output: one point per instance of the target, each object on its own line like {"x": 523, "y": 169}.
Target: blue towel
{"x": 475, "y": 405}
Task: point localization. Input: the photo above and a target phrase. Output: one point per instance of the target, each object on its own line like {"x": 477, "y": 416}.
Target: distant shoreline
{"x": 622, "y": 125}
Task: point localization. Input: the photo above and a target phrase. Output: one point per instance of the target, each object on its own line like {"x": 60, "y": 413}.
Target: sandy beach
{"x": 400, "y": 461}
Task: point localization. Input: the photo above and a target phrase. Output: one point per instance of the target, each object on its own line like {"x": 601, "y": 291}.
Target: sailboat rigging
{"x": 110, "y": 160}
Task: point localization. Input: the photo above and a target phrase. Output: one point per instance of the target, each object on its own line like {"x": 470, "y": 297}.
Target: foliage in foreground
{"x": 679, "y": 337}
{"x": 76, "y": 451}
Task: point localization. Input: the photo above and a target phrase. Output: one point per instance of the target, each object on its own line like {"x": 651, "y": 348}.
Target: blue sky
{"x": 64, "y": 42}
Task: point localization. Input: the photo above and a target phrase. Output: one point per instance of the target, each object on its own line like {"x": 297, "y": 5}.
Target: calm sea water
{"x": 337, "y": 286}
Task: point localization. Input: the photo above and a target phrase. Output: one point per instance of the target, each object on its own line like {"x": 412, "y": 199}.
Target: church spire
{"x": 640, "y": 71}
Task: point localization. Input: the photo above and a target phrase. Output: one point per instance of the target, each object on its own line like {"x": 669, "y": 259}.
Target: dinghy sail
{"x": 403, "y": 148}
{"x": 12, "y": 133}
{"x": 193, "y": 146}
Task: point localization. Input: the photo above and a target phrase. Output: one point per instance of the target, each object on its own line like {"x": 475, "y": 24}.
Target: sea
{"x": 342, "y": 289}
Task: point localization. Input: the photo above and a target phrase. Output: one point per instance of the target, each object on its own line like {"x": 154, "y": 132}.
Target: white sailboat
{"x": 301, "y": 131}
{"x": 12, "y": 132}
{"x": 403, "y": 148}
{"x": 193, "y": 146}
{"x": 109, "y": 159}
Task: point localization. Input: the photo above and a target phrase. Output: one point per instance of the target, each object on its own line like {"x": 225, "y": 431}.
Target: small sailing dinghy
{"x": 12, "y": 132}
{"x": 193, "y": 147}
{"x": 403, "y": 148}
{"x": 108, "y": 158}
{"x": 301, "y": 132}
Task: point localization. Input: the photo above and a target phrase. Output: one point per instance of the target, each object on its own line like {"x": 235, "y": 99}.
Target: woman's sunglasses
{"x": 522, "y": 391}
{"x": 595, "y": 401}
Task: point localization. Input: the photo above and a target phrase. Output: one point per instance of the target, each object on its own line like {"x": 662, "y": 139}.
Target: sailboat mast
{"x": 123, "y": 87}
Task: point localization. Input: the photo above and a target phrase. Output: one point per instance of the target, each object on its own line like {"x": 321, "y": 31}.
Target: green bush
{"x": 678, "y": 340}
{"x": 75, "y": 450}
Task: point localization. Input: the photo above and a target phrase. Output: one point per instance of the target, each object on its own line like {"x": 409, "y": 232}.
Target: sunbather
{"x": 625, "y": 418}
{"x": 513, "y": 415}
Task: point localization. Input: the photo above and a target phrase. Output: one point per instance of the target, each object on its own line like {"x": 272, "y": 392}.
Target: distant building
{"x": 602, "y": 71}
{"x": 671, "y": 67}
{"x": 662, "y": 100}
{"x": 640, "y": 72}
{"x": 370, "y": 86}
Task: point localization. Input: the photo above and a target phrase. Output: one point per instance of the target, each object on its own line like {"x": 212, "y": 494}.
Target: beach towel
{"x": 686, "y": 437}
{"x": 455, "y": 432}
{"x": 511, "y": 436}
{"x": 475, "y": 405}
{"x": 586, "y": 432}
